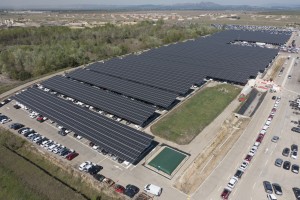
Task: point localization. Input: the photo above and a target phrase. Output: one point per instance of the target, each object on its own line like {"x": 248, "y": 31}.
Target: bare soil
{"x": 196, "y": 173}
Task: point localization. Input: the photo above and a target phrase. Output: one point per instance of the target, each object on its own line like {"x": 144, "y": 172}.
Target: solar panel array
{"x": 121, "y": 140}
{"x": 258, "y": 36}
{"x": 134, "y": 111}
{"x": 142, "y": 92}
{"x": 178, "y": 66}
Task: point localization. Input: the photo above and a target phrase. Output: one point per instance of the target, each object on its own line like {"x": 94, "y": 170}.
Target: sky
{"x": 20, "y": 3}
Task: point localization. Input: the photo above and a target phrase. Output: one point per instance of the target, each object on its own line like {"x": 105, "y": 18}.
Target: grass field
{"x": 26, "y": 175}
{"x": 184, "y": 123}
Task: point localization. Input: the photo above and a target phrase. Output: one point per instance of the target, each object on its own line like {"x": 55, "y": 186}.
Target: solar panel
{"x": 131, "y": 110}
{"x": 177, "y": 67}
{"x": 135, "y": 90}
{"x": 121, "y": 140}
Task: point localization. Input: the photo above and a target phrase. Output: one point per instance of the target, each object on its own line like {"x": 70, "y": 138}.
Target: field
{"x": 27, "y": 175}
{"x": 184, "y": 123}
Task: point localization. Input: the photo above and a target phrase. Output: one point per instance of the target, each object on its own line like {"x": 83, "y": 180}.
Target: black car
{"x": 17, "y": 106}
{"x": 131, "y": 190}
{"x": 274, "y": 98}
{"x": 296, "y": 129}
{"x": 287, "y": 165}
{"x": 120, "y": 160}
{"x": 268, "y": 187}
{"x": 104, "y": 152}
{"x": 295, "y": 168}
{"x": 95, "y": 169}
{"x": 277, "y": 188}
{"x": 294, "y": 147}
{"x": 286, "y": 152}
{"x": 238, "y": 174}
{"x": 16, "y": 126}
{"x": 62, "y": 132}
{"x": 297, "y": 193}
{"x": 99, "y": 177}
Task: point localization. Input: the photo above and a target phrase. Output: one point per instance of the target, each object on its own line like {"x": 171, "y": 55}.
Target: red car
{"x": 119, "y": 188}
{"x": 72, "y": 155}
{"x": 248, "y": 158}
{"x": 260, "y": 138}
{"x": 40, "y": 118}
{"x": 225, "y": 194}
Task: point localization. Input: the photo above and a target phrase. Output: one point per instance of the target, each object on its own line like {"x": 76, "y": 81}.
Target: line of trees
{"x": 31, "y": 52}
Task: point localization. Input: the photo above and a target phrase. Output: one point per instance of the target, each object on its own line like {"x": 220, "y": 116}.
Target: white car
{"x": 294, "y": 155}
{"x": 244, "y": 165}
{"x": 95, "y": 147}
{"x": 84, "y": 164}
{"x": 233, "y": 181}
{"x": 153, "y": 189}
{"x": 263, "y": 132}
{"x": 268, "y": 123}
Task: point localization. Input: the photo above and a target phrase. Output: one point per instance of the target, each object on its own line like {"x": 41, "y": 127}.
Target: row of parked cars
{"x": 245, "y": 163}
{"x": 129, "y": 190}
{"x": 46, "y": 143}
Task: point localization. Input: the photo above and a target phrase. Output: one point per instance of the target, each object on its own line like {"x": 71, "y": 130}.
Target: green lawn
{"x": 27, "y": 175}
{"x": 184, "y": 123}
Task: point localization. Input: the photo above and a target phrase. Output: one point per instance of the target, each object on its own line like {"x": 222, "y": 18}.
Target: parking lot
{"x": 122, "y": 174}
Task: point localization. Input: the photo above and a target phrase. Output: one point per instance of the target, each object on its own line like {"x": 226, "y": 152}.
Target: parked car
{"x": 233, "y": 181}
{"x": 296, "y": 129}
{"x": 294, "y": 147}
{"x": 286, "y": 152}
{"x": 119, "y": 188}
{"x": 5, "y": 120}
{"x": 295, "y": 168}
{"x": 84, "y": 164}
{"x": 91, "y": 144}
{"x": 153, "y": 189}
{"x": 296, "y": 192}
{"x": 108, "y": 182}
{"x": 268, "y": 187}
{"x": 99, "y": 177}
{"x": 238, "y": 173}
{"x": 275, "y": 138}
{"x": 294, "y": 154}
{"x": 95, "y": 169}
{"x": 278, "y": 162}
{"x": 260, "y": 138}
{"x": 17, "y": 106}
{"x": 131, "y": 190}
{"x": 225, "y": 194}
{"x": 287, "y": 165}
{"x": 248, "y": 158}
{"x": 277, "y": 188}
{"x": 16, "y": 126}
{"x": 271, "y": 197}
{"x": 72, "y": 156}
{"x": 244, "y": 165}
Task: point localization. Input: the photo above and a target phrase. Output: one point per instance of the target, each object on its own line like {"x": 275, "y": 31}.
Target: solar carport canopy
{"x": 131, "y": 110}
{"x": 121, "y": 140}
{"x": 135, "y": 90}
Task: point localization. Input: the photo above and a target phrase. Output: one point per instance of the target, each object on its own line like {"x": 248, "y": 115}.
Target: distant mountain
{"x": 178, "y": 6}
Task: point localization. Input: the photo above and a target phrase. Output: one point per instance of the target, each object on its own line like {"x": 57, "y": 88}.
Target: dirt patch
{"x": 198, "y": 171}
{"x": 272, "y": 73}
{"x": 5, "y": 80}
